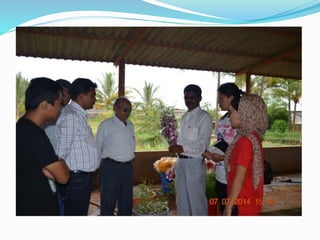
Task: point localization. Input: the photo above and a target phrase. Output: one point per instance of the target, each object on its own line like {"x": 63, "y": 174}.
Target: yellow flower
{"x": 164, "y": 164}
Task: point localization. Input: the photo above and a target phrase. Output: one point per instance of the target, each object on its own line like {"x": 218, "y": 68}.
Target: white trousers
{"x": 190, "y": 186}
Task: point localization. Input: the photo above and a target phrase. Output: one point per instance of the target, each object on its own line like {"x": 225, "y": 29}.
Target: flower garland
{"x": 168, "y": 130}
{"x": 168, "y": 126}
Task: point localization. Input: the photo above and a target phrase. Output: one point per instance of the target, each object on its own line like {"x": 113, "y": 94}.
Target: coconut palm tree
{"x": 264, "y": 86}
{"x": 292, "y": 91}
{"x": 147, "y": 116}
{"x": 108, "y": 93}
{"x": 149, "y": 101}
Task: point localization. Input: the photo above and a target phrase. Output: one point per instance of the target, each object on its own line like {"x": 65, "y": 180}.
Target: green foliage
{"x": 108, "y": 92}
{"x": 211, "y": 185}
{"x": 147, "y": 95}
{"x": 155, "y": 206}
{"x": 21, "y": 87}
{"x": 282, "y": 138}
{"x": 144, "y": 190}
{"x": 150, "y": 202}
{"x": 147, "y": 128}
{"x": 279, "y": 125}
{"x": 208, "y": 107}
{"x": 277, "y": 111}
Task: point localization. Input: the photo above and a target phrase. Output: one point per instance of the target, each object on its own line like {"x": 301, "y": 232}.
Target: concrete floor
{"x": 283, "y": 197}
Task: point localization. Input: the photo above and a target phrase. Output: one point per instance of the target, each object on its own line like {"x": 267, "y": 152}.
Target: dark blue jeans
{"x": 116, "y": 188}
{"x": 76, "y": 194}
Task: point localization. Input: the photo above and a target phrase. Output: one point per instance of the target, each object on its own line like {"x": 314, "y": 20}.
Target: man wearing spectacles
{"x": 116, "y": 144}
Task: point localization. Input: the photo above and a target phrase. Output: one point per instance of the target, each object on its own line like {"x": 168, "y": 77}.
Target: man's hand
{"x": 176, "y": 149}
{"x": 47, "y": 174}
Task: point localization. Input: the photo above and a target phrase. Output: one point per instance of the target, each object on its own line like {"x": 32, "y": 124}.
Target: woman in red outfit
{"x": 244, "y": 157}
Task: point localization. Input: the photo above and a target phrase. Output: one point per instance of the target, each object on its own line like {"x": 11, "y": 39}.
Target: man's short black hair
{"x": 81, "y": 85}
{"x": 64, "y": 83}
{"x": 193, "y": 88}
{"x": 39, "y": 90}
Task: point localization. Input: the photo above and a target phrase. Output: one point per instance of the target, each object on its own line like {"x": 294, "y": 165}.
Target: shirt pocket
{"x": 191, "y": 134}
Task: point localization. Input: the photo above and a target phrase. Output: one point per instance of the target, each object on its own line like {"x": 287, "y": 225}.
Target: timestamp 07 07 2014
{"x": 242, "y": 201}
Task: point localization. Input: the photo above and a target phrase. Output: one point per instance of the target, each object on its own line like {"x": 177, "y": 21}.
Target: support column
{"x": 217, "y": 104}
{"x": 121, "y": 82}
{"x": 248, "y": 82}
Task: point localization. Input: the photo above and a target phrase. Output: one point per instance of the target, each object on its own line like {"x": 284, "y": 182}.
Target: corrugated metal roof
{"x": 266, "y": 51}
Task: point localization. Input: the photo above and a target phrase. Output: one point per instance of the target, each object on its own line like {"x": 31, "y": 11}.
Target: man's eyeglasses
{"x": 125, "y": 110}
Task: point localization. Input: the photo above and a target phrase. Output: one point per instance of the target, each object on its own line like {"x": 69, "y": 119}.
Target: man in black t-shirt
{"x": 36, "y": 160}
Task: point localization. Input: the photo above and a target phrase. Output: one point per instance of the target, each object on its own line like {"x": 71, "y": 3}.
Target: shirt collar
{"x": 195, "y": 111}
{"x": 78, "y": 108}
{"x": 118, "y": 120}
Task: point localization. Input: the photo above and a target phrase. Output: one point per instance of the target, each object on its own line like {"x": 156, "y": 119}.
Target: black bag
{"x": 222, "y": 145}
{"x": 268, "y": 175}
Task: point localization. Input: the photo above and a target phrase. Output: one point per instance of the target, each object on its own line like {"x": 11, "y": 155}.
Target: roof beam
{"x": 136, "y": 38}
{"x": 269, "y": 60}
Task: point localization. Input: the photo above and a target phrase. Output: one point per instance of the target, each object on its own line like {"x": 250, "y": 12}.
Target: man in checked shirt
{"x": 76, "y": 144}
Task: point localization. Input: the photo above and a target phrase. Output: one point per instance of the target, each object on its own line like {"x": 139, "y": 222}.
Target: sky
{"x": 171, "y": 81}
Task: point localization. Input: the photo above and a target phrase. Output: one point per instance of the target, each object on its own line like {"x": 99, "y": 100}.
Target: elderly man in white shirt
{"x": 194, "y": 138}
{"x": 116, "y": 145}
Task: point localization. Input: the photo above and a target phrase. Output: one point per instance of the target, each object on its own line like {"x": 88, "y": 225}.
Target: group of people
{"x": 239, "y": 171}
{"x": 57, "y": 153}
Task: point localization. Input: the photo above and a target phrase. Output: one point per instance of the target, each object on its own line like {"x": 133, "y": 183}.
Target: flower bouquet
{"x": 168, "y": 126}
{"x": 165, "y": 166}
{"x": 168, "y": 130}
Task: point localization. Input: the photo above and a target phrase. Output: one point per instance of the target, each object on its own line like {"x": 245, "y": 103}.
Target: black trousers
{"x": 116, "y": 187}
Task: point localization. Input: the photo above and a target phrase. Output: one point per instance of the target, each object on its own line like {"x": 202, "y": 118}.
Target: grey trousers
{"x": 190, "y": 186}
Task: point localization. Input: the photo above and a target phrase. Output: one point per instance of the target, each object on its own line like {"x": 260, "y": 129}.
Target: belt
{"x": 183, "y": 156}
{"x": 117, "y": 162}
{"x": 80, "y": 172}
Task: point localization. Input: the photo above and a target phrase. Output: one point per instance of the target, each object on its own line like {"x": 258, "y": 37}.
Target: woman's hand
{"x": 227, "y": 211}
{"x": 213, "y": 156}
{"x": 207, "y": 155}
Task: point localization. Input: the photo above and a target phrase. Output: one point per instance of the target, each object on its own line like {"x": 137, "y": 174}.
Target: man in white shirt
{"x": 194, "y": 138}
{"x": 51, "y": 133}
{"x": 66, "y": 97}
{"x": 116, "y": 145}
